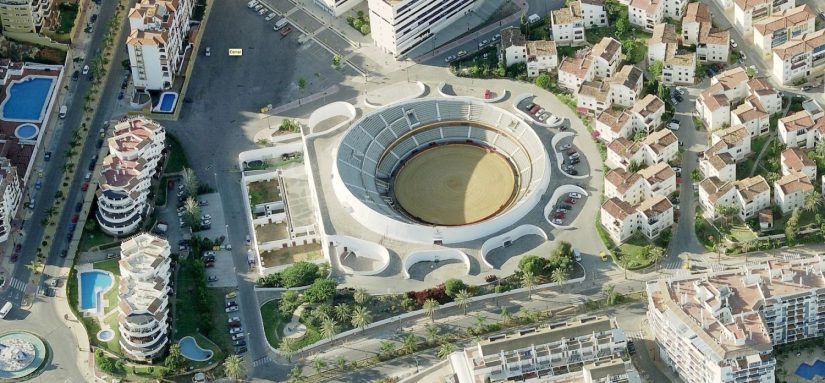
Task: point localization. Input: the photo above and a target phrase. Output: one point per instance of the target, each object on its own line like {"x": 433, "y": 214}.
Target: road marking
{"x": 18, "y": 284}
{"x": 261, "y": 362}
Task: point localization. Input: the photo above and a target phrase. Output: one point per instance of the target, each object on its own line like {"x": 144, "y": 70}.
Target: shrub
{"x": 270, "y": 280}
{"x": 452, "y": 286}
{"x": 436, "y": 293}
{"x": 299, "y": 274}
{"x": 533, "y": 264}
{"x": 322, "y": 290}
{"x": 490, "y": 278}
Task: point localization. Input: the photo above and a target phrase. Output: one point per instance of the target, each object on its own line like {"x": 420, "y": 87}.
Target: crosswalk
{"x": 262, "y": 361}
{"x": 672, "y": 263}
{"x": 17, "y": 284}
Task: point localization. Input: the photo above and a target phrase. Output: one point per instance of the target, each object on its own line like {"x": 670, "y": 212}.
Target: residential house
{"x": 748, "y": 12}
{"x": 593, "y": 96}
{"x": 678, "y": 67}
{"x": 626, "y": 86}
{"x": 568, "y": 25}
{"x": 714, "y": 105}
{"x": 513, "y": 46}
{"x": 752, "y": 116}
{"x": 789, "y": 192}
{"x": 747, "y": 196}
{"x": 158, "y": 41}
{"x": 712, "y": 45}
{"x": 573, "y": 71}
{"x": 718, "y": 165}
{"x": 803, "y": 128}
{"x": 735, "y": 141}
{"x": 650, "y": 218}
{"x": 644, "y": 116}
{"x": 10, "y": 195}
{"x": 593, "y": 13}
{"x": 795, "y": 160}
{"x": 541, "y": 57}
{"x": 780, "y": 28}
{"x": 659, "y": 146}
{"x": 633, "y": 188}
{"x": 612, "y": 124}
{"x": 696, "y": 14}
{"x": 800, "y": 57}
{"x": 646, "y": 13}
{"x": 27, "y": 17}
{"x": 647, "y": 113}
{"x": 606, "y": 55}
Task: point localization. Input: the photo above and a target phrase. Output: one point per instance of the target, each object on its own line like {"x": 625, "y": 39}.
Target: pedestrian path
{"x": 672, "y": 263}
{"x": 17, "y": 284}
{"x": 262, "y": 361}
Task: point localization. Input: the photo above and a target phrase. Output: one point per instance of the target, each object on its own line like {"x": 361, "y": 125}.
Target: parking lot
{"x": 574, "y": 164}
{"x": 567, "y": 208}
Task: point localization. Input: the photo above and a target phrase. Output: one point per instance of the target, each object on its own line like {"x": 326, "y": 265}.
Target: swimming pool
{"x": 93, "y": 284}
{"x": 26, "y": 131}
{"x": 808, "y": 372}
{"x": 167, "y": 102}
{"x": 26, "y": 99}
{"x": 190, "y": 349}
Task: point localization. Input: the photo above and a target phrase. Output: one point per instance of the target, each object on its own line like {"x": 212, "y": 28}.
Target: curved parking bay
{"x": 566, "y": 162}
{"x": 563, "y": 196}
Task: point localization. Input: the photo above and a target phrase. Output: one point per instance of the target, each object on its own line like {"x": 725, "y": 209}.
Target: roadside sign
{"x": 235, "y": 52}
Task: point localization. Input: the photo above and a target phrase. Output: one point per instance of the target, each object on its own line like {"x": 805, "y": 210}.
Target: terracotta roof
{"x": 801, "y": 44}
{"x": 749, "y": 188}
{"x": 618, "y": 209}
{"x": 138, "y": 37}
{"x": 795, "y": 183}
{"x": 660, "y": 139}
{"x": 576, "y": 66}
{"x": 629, "y": 76}
{"x": 712, "y": 36}
{"x": 750, "y": 110}
{"x": 512, "y": 37}
{"x": 623, "y": 147}
{"x": 607, "y": 48}
{"x": 715, "y": 101}
{"x": 766, "y": 216}
{"x": 540, "y": 48}
{"x": 749, "y": 4}
{"x": 649, "y": 6}
{"x": 761, "y": 86}
{"x": 655, "y": 206}
{"x": 566, "y": 15}
{"x": 715, "y": 188}
{"x": 796, "y": 159}
{"x": 622, "y": 180}
{"x": 648, "y": 105}
{"x": 786, "y": 19}
{"x": 615, "y": 119}
{"x": 664, "y": 33}
{"x": 731, "y": 78}
{"x": 596, "y": 89}
{"x": 732, "y": 136}
{"x": 657, "y": 173}
{"x": 720, "y": 161}
{"x": 672, "y": 57}
{"x": 802, "y": 120}
{"x": 696, "y": 12}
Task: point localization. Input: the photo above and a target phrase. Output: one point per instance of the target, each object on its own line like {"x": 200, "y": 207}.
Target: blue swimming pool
{"x": 26, "y": 99}
{"x": 92, "y": 286}
{"x": 190, "y": 349}
{"x": 808, "y": 372}
{"x": 167, "y": 102}
{"x": 26, "y": 131}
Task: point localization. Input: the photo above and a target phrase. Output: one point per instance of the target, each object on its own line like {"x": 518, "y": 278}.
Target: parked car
{"x": 270, "y": 16}
{"x": 568, "y": 207}
{"x": 47, "y": 156}
{"x": 64, "y": 253}
{"x": 574, "y": 195}
{"x": 75, "y": 218}
{"x": 234, "y": 321}
{"x": 236, "y": 330}
{"x": 733, "y": 43}
{"x": 237, "y": 336}
{"x": 248, "y": 239}
{"x": 208, "y": 52}
{"x": 240, "y": 350}
{"x": 558, "y": 222}
{"x": 262, "y": 11}
{"x": 203, "y": 203}
{"x": 449, "y": 59}
{"x": 565, "y": 146}
{"x": 76, "y": 75}
{"x": 570, "y": 200}
{"x": 239, "y": 343}
{"x": 232, "y": 310}
{"x": 257, "y": 7}
{"x": 573, "y": 172}
{"x": 807, "y": 88}
{"x": 496, "y": 37}
{"x": 212, "y": 278}
{"x": 559, "y": 215}
{"x": 85, "y": 70}
{"x": 84, "y": 186}
{"x": 461, "y": 53}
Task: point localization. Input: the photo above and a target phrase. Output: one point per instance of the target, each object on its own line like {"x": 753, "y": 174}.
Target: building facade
{"x": 158, "y": 41}
{"x": 799, "y": 57}
{"x": 11, "y": 194}
{"x": 26, "y": 16}
{"x": 780, "y": 28}
{"x": 143, "y": 293}
{"x": 748, "y": 12}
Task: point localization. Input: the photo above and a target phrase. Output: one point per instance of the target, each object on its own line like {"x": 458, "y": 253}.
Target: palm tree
{"x": 611, "y": 297}
{"x": 361, "y": 317}
{"x": 410, "y": 343}
{"x": 462, "y": 299}
{"x": 813, "y": 201}
{"x": 319, "y": 364}
{"x": 481, "y": 320}
{"x": 296, "y": 375}
{"x": 192, "y": 213}
{"x": 34, "y": 266}
{"x": 505, "y": 315}
{"x": 341, "y": 362}
{"x": 387, "y": 348}
{"x": 288, "y": 345}
{"x": 445, "y": 350}
{"x": 190, "y": 182}
{"x": 328, "y": 328}
{"x": 432, "y": 334}
{"x": 430, "y": 306}
{"x": 656, "y": 253}
{"x": 361, "y": 297}
{"x": 342, "y": 312}
{"x": 528, "y": 281}
{"x": 234, "y": 367}
{"x": 559, "y": 275}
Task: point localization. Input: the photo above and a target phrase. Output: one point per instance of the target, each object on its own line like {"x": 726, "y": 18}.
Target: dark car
{"x": 47, "y": 156}
{"x": 76, "y": 75}
{"x": 64, "y": 253}
{"x": 240, "y": 350}
{"x": 84, "y": 186}
{"x": 92, "y": 163}
{"x": 13, "y": 258}
{"x": 75, "y": 218}
{"x": 239, "y": 343}
{"x": 78, "y": 207}
{"x": 120, "y": 95}
{"x": 94, "y": 18}
{"x": 99, "y": 143}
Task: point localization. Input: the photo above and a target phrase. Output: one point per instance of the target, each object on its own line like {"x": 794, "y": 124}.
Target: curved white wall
{"x": 530, "y": 118}
{"x": 560, "y": 156}
{"x": 434, "y": 256}
{"x": 363, "y": 249}
{"x": 512, "y": 235}
{"x": 335, "y": 109}
{"x": 493, "y": 100}
{"x": 421, "y": 90}
{"x": 561, "y": 191}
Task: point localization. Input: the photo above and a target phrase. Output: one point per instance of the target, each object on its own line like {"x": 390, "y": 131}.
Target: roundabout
{"x": 21, "y": 354}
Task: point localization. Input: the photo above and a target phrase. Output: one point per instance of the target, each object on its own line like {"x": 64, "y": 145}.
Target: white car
{"x": 558, "y": 222}
{"x": 574, "y": 195}
{"x": 565, "y": 146}
{"x": 238, "y": 336}
{"x": 270, "y": 16}
{"x": 85, "y": 69}
{"x": 235, "y": 330}
{"x": 262, "y": 11}
{"x": 208, "y": 52}
{"x": 496, "y": 37}
{"x": 677, "y": 170}
{"x": 673, "y": 126}
{"x": 252, "y": 4}
{"x": 733, "y": 43}
{"x": 232, "y": 309}
{"x": 258, "y": 7}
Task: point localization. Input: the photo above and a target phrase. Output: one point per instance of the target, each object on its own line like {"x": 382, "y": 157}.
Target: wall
{"x": 560, "y": 156}
{"x": 361, "y": 248}
{"x": 328, "y": 111}
{"x": 561, "y": 191}
{"x": 434, "y": 256}
{"x": 512, "y": 235}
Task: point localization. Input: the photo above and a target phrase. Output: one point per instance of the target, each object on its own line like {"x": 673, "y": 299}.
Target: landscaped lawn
{"x": 187, "y": 321}
{"x": 273, "y": 323}
{"x": 633, "y": 255}
{"x": 291, "y": 255}
{"x": 95, "y": 238}
{"x": 264, "y": 192}
{"x": 741, "y": 233}
{"x": 177, "y": 158}
{"x": 639, "y": 52}
{"x": 68, "y": 13}
{"x": 758, "y": 143}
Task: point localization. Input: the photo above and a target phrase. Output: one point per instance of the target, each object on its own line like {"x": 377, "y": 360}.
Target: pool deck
{"x": 96, "y": 311}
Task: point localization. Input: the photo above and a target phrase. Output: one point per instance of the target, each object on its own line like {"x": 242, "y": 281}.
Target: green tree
{"x": 696, "y": 175}
{"x": 328, "y": 328}
{"x": 234, "y": 367}
{"x": 190, "y": 182}
{"x": 342, "y": 312}
{"x": 34, "y": 266}
{"x": 505, "y": 315}
{"x": 452, "y": 286}
{"x": 481, "y": 320}
{"x": 655, "y": 253}
{"x": 655, "y": 69}
{"x": 750, "y": 71}
{"x": 662, "y": 91}
{"x": 302, "y": 83}
{"x": 432, "y": 333}
{"x": 462, "y": 299}
{"x": 792, "y": 226}
{"x": 813, "y": 201}
{"x": 611, "y": 297}
{"x": 445, "y": 350}
{"x": 543, "y": 81}
{"x": 361, "y": 317}
{"x": 322, "y": 290}
{"x": 621, "y": 27}
{"x": 727, "y": 212}
{"x": 299, "y": 274}
{"x": 528, "y": 281}
{"x": 191, "y": 213}
{"x": 410, "y": 343}
{"x": 361, "y": 297}
{"x": 336, "y": 61}
{"x": 430, "y": 307}
{"x": 174, "y": 360}
{"x": 559, "y": 276}
{"x": 532, "y": 264}
{"x": 387, "y": 349}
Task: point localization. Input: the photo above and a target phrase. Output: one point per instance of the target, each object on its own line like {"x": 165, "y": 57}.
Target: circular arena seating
{"x": 376, "y": 146}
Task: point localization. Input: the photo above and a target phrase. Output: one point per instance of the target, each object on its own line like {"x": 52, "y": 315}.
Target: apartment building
{"x": 712, "y": 45}
{"x": 541, "y": 57}
{"x": 748, "y": 12}
{"x": 678, "y": 67}
{"x": 158, "y": 41}
{"x": 567, "y": 25}
{"x": 735, "y": 141}
{"x": 143, "y": 294}
{"x": 647, "y": 113}
{"x": 126, "y": 175}
{"x": 721, "y": 326}
{"x": 752, "y": 116}
{"x": 26, "y": 16}
{"x": 591, "y": 347}
{"x": 10, "y": 194}
{"x": 644, "y": 116}
{"x": 574, "y": 71}
{"x": 399, "y": 26}
{"x": 659, "y": 146}
{"x": 780, "y": 28}
{"x": 696, "y": 15}
{"x": 720, "y": 166}
{"x": 606, "y": 55}
{"x": 803, "y": 128}
{"x": 626, "y": 86}
{"x": 513, "y": 46}
{"x": 664, "y": 35}
{"x": 593, "y": 13}
{"x": 799, "y": 57}
{"x": 729, "y": 88}
{"x": 593, "y": 96}
{"x": 650, "y": 218}
{"x": 748, "y": 196}
{"x": 795, "y": 160}
{"x": 790, "y": 190}
{"x": 633, "y": 188}
{"x": 337, "y": 7}
{"x": 612, "y": 124}
{"x": 646, "y": 13}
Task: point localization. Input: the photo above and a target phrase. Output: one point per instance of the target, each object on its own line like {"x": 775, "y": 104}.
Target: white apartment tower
{"x": 126, "y": 175}
{"x": 398, "y": 26}
{"x": 143, "y": 308}
{"x": 157, "y": 41}
{"x": 25, "y": 16}
{"x": 10, "y": 194}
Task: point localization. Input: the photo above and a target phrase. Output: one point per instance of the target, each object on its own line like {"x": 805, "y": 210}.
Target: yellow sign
{"x": 236, "y": 52}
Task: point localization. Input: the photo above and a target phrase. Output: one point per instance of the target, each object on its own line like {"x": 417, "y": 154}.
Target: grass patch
{"x": 189, "y": 325}
{"x": 634, "y": 255}
{"x": 177, "y": 157}
{"x": 741, "y": 233}
{"x": 758, "y": 143}
{"x": 264, "y": 192}
{"x": 291, "y": 255}
{"x": 273, "y": 323}
{"x": 68, "y": 14}
{"x": 95, "y": 238}
{"x": 114, "y": 344}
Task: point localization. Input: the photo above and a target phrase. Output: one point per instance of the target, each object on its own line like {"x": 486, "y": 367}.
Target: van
{"x": 280, "y": 24}
{"x": 63, "y": 110}
{"x": 532, "y": 19}
{"x": 5, "y": 310}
